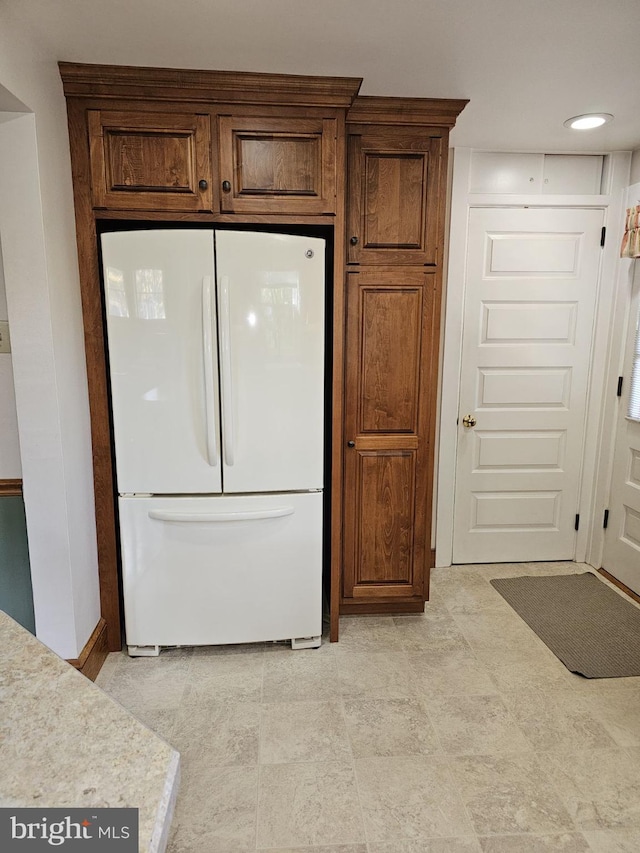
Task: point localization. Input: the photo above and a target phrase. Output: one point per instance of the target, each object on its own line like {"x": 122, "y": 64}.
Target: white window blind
{"x": 634, "y": 396}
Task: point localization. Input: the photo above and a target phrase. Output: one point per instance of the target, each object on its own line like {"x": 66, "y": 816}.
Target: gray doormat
{"x": 591, "y": 628}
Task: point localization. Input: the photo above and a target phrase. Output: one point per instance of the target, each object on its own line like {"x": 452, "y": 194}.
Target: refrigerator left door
{"x": 161, "y": 328}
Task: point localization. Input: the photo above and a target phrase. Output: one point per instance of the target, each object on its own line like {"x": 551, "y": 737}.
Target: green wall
{"x": 16, "y": 595}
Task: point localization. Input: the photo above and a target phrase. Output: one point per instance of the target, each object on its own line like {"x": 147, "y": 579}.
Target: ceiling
{"x": 525, "y": 65}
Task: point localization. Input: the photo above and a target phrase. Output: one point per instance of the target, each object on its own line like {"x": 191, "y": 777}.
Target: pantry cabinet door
{"x": 387, "y": 422}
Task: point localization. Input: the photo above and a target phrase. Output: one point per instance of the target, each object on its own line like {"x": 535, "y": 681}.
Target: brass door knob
{"x": 469, "y": 421}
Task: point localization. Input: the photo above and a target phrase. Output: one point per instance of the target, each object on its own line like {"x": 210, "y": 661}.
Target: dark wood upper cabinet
{"x": 277, "y": 165}
{"x": 393, "y": 200}
{"x": 150, "y": 161}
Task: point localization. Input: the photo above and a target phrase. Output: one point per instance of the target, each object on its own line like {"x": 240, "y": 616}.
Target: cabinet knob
{"x": 226, "y": 186}
{"x": 203, "y": 184}
{"x": 354, "y": 241}
{"x": 351, "y": 444}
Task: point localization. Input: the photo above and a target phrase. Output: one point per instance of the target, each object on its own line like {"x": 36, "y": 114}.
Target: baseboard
{"x": 620, "y": 585}
{"x": 10, "y": 488}
{"x": 378, "y": 608}
{"x": 94, "y": 653}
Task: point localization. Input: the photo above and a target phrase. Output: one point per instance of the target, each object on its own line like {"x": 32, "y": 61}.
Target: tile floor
{"x": 449, "y": 732}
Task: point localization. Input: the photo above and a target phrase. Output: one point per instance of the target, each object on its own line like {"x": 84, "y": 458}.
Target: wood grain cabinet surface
{"x": 150, "y": 161}
{"x": 393, "y": 200}
{"x": 277, "y": 165}
{"x": 396, "y": 161}
{"x": 386, "y": 530}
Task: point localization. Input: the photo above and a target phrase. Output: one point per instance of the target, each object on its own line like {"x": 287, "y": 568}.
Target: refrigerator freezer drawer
{"x": 217, "y": 570}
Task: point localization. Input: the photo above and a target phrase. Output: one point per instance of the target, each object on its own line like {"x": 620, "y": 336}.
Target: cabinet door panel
{"x": 394, "y": 213}
{"x": 386, "y": 489}
{"x": 268, "y": 165}
{"x": 283, "y": 165}
{"x": 393, "y": 197}
{"x": 391, "y": 343}
{"x": 157, "y": 161}
{"x": 387, "y": 423}
{"x": 150, "y": 161}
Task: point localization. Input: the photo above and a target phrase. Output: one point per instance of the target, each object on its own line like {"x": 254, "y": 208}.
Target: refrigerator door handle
{"x": 209, "y": 376}
{"x": 225, "y": 359}
{"x": 246, "y": 515}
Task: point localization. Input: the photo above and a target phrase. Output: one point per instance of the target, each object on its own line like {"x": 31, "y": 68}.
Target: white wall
{"x": 41, "y": 278}
{"x": 9, "y": 442}
{"x": 635, "y": 167}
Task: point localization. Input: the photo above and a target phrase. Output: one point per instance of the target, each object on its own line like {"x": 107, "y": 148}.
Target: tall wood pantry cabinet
{"x": 396, "y": 161}
{"x": 243, "y": 148}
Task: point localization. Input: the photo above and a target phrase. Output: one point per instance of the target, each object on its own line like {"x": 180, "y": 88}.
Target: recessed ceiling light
{"x": 588, "y": 121}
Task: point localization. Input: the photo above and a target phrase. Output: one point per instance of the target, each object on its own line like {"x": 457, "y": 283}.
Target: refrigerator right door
{"x": 271, "y": 330}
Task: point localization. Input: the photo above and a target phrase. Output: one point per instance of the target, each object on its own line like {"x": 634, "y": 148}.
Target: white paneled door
{"x": 531, "y": 289}
{"x": 622, "y": 540}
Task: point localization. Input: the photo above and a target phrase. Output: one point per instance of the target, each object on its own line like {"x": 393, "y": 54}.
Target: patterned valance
{"x": 631, "y": 239}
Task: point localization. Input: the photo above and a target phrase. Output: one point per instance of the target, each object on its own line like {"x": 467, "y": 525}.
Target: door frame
{"x": 598, "y": 434}
{"x": 622, "y": 318}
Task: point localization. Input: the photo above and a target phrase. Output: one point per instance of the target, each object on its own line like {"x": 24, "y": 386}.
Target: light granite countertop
{"x": 64, "y": 742}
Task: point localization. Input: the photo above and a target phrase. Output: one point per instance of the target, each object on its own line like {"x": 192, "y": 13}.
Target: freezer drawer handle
{"x": 247, "y": 515}
{"x": 209, "y": 378}
{"x": 225, "y": 354}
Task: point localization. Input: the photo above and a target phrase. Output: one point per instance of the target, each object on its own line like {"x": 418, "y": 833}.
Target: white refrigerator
{"x": 216, "y": 360}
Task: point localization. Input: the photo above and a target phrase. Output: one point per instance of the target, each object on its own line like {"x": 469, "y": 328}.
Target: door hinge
{"x": 605, "y": 522}
{"x": 603, "y": 235}
{"x": 577, "y": 524}
{"x": 619, "y": 391}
